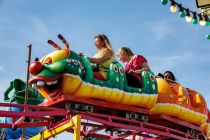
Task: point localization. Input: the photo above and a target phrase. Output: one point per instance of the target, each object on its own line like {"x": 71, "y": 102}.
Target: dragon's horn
{"x": 54, "y": 45}
{"x": 64, "y": 41}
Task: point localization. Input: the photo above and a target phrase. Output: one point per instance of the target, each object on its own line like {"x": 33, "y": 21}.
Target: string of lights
{"x": 190, "y": 16}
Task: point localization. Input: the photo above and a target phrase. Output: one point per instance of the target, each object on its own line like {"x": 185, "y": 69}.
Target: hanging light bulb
{"x": 188, "y": 17}
{"x": 173, "y": 7}
{"x": 202, "y": 21}
{"x": 195, "y": 20}
{"x": 181, "y": 11}
{"x": 164, "y": 2}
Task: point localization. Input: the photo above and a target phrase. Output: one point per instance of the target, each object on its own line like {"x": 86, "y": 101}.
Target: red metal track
{"x": 131, "y": 128}
{"x": 168, "y": 128}
{"x": 127, "y": 127}
{"x": 162, "y": 117}
{"x": 39, "y": 113}
{"x": 119, "y": 128}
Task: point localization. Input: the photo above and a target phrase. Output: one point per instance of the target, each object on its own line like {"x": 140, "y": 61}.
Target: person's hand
{"x": 160, "y": 75}
{"x": 131, "y": 72}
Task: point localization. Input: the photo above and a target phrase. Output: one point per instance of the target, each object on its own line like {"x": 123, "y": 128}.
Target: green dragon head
{"x": 48, "y": 72}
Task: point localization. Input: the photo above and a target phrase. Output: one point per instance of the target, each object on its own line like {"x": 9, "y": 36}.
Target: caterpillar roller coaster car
{"x": 66, "y": 80}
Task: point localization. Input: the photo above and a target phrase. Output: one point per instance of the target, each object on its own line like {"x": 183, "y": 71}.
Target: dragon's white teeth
{"x": 55, "y": 82}
{"x": 52, "y": 83}
{"x": 49, "y": 83}
{"x": 40, "y": 83}
{"x": 34, "y": 85}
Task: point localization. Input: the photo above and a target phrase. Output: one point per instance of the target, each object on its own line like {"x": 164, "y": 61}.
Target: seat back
{"x": 149, "y": 84}
{"x": 116, "y": 75}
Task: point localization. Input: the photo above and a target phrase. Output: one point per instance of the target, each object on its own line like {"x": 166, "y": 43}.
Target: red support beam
{"x": 29, "y": 106}
{"x": 39, "y": 113}
{"x": 97, "y": 129}
{"x": 148, "y": 128}
{"x": 129, "y": 128}
{"x": 5, "y": 125}
{"x": 32, "y": 124}
{"x": 32, "y": 114}
{"x": 174, "y": 120}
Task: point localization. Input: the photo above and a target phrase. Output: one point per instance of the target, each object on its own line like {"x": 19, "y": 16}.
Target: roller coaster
{"x": 63, "y": 95}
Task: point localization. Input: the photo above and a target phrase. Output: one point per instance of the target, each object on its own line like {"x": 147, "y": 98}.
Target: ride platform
{"x": 104, "y": 117}
{"x": 104, "y": 124}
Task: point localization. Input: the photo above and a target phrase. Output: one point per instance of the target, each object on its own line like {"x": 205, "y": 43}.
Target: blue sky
{"x": 148, "y": 27}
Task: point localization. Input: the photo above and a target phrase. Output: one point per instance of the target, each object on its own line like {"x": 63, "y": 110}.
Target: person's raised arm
{"x": 106, "y": 55}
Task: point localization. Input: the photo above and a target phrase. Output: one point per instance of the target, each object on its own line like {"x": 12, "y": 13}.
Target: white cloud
{"x": 35, "y": 29}
{"x": 161, "y": 29}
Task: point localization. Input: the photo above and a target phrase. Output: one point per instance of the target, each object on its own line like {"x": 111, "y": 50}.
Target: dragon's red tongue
{"x": 55, "y": 93}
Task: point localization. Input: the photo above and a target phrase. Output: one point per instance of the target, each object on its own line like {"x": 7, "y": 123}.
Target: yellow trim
{"x": 198, "y": 98}
{"x": 181, "y": 91}
{"x": 80, "y": 88}
{"x": 73, "y": 122}
{"x": 55, "y": 56}
{"x": 180, "y": 112}
{"x": 83, "y": 89}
